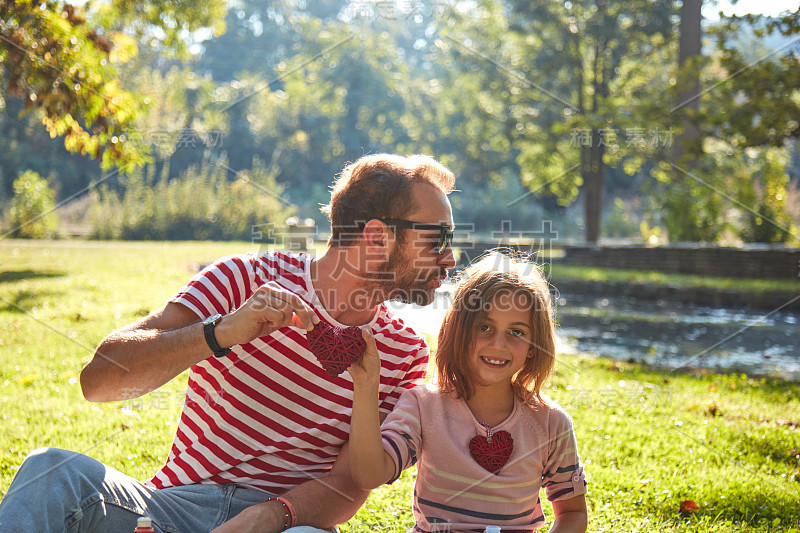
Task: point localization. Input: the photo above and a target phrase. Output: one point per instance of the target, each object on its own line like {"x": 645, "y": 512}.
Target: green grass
{"x": 561, "y": 272}
{"x": 57, "y": 301}
{"x": 649, "y": 438}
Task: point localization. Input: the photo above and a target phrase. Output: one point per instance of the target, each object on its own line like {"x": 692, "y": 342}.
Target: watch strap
{"x": 211, "y": 339}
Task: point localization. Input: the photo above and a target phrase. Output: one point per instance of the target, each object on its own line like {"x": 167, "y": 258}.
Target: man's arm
{"x": 322, "y": 503}
{"x": 143, "y": 356}
{"x": 331, "y": 500}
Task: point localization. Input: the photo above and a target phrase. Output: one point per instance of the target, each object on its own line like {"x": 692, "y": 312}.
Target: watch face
{"x": 212, "y": 319}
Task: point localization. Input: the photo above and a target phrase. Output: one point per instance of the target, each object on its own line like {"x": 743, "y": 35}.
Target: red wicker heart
{"x": 335, "y": 348}
{"x": 492, "y": 455}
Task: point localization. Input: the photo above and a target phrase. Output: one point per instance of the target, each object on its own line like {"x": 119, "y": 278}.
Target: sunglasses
{"x": 445, "y": 232}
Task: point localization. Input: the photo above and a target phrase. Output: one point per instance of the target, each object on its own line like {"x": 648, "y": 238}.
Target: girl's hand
{"x": 367, "y": 370}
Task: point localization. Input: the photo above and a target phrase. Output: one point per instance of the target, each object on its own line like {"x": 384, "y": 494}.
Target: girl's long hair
{"x": 497, "y": 279}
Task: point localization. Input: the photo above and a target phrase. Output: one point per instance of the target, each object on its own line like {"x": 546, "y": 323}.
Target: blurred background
{"x": 645, "y": 151}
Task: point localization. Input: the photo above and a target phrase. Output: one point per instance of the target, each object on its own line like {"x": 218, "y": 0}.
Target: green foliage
{"x": 162, "y": 25}
{"x": 733, "y": 179}
{"x": 759, "y": 93}
{"x": 764, "y": 192}
{"x": 62, "y": 61}
{"x": 573, "y": 79}
{"x": 201, "y": 204}
{"x": 32, "y": 209}
{"x": 741, "y": 191}
{"x": 691, "y": 203}
{"x": 59, "y": 64}
{"x": 584, "y": 85}
{"x": 620, "y": 222}
{"x": 25, "y": 145}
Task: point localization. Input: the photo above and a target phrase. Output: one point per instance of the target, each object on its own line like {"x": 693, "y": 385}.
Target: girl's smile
{"x": 494, "y": 362}
{"x": 502, "y": 344}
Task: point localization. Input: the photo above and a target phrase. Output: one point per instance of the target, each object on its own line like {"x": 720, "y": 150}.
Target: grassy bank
{"x": 561, "y": 272}
{"x": 649, "y": 439}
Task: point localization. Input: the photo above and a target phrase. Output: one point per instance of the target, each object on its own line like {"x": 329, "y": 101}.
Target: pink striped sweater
{"x": 452, "y": 491}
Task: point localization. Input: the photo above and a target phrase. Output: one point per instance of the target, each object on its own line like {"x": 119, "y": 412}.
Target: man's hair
{"x": 379, "y": 186}
{"x": 494, "y": 281}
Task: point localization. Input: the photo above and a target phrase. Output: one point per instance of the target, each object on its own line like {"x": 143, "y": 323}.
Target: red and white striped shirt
{"x": 267, "y": 415}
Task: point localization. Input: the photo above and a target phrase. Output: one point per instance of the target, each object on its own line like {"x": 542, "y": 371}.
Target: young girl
{"x": 483, "y": 438}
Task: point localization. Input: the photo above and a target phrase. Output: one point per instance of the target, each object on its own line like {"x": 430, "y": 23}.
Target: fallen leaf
{"x": 688, "y": 507}
{"x": 27, "y": 380}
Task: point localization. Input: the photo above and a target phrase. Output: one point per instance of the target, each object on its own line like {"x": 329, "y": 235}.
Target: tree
{"x": 760, "y": 95}
{"x": 704, "y": 221}
{"x": 590, "y": 69}
{"x": 689, "y": 57}
{"x": 743, "y": 117}
{"x": 26, "y": 145}
{"x": 599, "y": 67}
{"x": 32, "y": 212}
{"x": 62, "y": 61}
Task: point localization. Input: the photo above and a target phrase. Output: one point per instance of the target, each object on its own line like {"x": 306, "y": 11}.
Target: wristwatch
{"x": 208, "y": 330}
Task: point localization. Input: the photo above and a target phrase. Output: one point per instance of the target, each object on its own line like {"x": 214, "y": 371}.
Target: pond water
{"x": 667, "y": 334}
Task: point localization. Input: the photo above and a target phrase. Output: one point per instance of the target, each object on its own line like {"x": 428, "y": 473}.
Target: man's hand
{"x": 270, "y": 308}
{"x": 265, "y": 517}
{"x": 321, "y": 503}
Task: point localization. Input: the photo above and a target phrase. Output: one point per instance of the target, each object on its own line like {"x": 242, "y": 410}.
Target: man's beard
{"x": 396, "y": 279}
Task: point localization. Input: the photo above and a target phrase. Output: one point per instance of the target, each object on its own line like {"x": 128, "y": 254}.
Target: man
{"x": 262, "y": 417}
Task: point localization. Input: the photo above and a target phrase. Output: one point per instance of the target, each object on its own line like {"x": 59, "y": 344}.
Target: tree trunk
{"x": 691, "y": 34}
{"x": 687, "y": 146}
{"x": 592, "y": 172}
{"x": 592, "y": 169}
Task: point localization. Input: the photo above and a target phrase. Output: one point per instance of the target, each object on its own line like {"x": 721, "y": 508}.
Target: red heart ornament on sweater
{"x": 335, "y": 348}
{"x": 492, "y": 455}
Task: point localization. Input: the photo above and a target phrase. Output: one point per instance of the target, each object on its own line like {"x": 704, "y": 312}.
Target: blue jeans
{"x": 58, "y": 490}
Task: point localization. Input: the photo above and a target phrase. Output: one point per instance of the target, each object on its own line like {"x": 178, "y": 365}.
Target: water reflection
{"x": 667, "y": 334}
